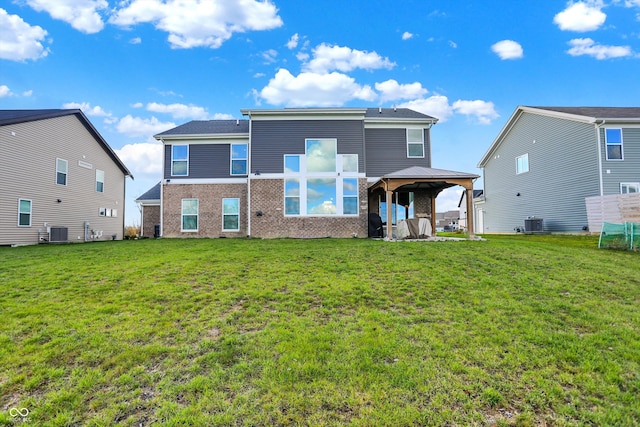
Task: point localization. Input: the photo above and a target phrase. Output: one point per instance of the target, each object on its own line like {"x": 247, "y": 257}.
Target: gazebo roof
{"x": 418, "y": 177}
{"x": 420, "y": 172}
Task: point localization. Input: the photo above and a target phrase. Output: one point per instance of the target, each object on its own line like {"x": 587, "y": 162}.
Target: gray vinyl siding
{"x": 205, "y": 161}
{"x": 616, "y": 171}
{"x": 563, "y": 170}
{"x": 386, "y": 151}
{"x": 28, "y": 171}
{"x": 271, "y": 140}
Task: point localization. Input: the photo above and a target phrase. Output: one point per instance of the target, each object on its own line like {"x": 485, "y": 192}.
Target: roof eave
{"x": 173, "y": 137}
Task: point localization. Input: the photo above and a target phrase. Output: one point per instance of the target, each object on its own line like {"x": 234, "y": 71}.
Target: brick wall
{"x": 267, "y": 196}
{"x": 150, "y": 217}
{"x": 210, "y": 208}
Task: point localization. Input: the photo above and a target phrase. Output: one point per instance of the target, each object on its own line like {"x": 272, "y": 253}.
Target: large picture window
{"x": 239, "y": 159}
{"x": 62, "y": 168}
{"x": 189, "y": 215}
{"x": 614, "y": 144}
{"x": 321, "y": 182}
{"x": 179, "y": 160}
{"x": 522, "y": 164}
{"x": 230, "y": 214}
{"x": 415, "y": 143}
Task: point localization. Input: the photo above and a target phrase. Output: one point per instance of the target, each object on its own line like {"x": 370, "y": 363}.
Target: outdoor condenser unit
{"x": 533, "y": 225}
{"x": 59, "y": 234}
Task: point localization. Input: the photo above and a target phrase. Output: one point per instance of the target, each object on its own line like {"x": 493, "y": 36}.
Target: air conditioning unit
{"x": 59, "y": 234}
{"x": 533, "y": 225}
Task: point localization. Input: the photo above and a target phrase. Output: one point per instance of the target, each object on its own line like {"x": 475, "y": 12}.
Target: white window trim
{"x": 66, "y": 179}
{"x": 223, "y": 214}
{"x": 30, "y": 212}
{"x": 524, "y": 156}
{"x": 98, "y": 171}
{"x": 231, "y": 159}
{"x": 197, "y": 215}
{"x": 415, "y": 143}
{"x": 630, "y": 184}
{"x": 173, "y": 160}
{"x": 606, "y": 146}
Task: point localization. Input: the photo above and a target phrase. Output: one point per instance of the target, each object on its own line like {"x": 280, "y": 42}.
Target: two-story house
{"x": 302, "y": 173}
{"x": 59, "y": 179}
{"x": 547, "y": 160}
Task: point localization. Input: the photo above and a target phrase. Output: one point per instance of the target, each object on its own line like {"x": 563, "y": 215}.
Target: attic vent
{"x": 237, "y": 122}
{"x": 59, "y": 234}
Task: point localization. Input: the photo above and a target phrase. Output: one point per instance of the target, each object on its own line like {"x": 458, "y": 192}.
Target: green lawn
{"x": 514, "y": 330}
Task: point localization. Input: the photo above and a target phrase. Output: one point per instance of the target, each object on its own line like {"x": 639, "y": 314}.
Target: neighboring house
{"x": 149, "y": 204}
{"x": 547, "y": 160}
{"x": 59, "y": 179}
{"x": 304, "y": 173}
{"x": 462, "y": 205}
{"x": 448, "y": 221}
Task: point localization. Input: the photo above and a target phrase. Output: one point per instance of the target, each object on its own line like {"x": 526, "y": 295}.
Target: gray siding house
{"x": 59, "y": 179}
{"x": 547, "y": 160}
{"x": 300, "y": 173}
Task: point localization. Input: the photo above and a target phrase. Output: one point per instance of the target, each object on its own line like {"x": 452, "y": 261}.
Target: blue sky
{"x": 140, "y": 67}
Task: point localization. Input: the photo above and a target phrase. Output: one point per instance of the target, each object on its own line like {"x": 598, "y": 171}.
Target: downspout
{"x": 162, "y": 190}
{"x": 601, "y": 184}
{"x": 249, "y": 180}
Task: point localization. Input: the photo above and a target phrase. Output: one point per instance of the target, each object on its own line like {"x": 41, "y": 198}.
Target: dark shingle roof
{"x": 398, "y": 113}
{"x": 10, "y": 117}
{"x": 152, "y": 194}
{"x": 205, "y": 127}
{"x": 598, "y": 112}
{"x": 422, "y": 172}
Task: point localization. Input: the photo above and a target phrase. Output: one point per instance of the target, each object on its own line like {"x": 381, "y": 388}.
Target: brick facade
{"x": 267, "y": 197}
{"x": 209, "y": 208}
{"x": 150, "y": 217}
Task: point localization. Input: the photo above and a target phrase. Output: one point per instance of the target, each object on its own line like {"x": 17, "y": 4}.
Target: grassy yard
{"x": 515, "y": 330}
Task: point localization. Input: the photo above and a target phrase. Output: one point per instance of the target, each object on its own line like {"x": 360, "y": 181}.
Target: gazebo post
{"x": 470, "y": 226}
{"x": 389, "y": 214}
{"x": 433, "y": 214}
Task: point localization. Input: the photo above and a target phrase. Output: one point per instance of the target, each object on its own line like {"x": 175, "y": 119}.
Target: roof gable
{"x": 10, "y": 117}
{"x": 152, "y": 194}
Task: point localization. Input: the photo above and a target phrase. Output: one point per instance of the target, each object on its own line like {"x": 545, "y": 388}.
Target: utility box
{"x": 533, "y": 225}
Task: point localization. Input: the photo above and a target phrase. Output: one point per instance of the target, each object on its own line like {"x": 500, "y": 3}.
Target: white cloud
{"x": 581, "y": 16}
{"x": 293, "y": 41}
{"x": 142, "y": 159}
{"x": 135, "y": 40}
{"x": 507, "y": 49}
{"x": 589, "y": 47}
{"x": 406, "y": 35}
{"x": 139, "y": 127}
{"x": 80, "y": 14}
{"x": 20, "y": 41}
{"x": 270, "y": 56}
{"x": 27, "y": 93}
{"x": 453, "y": 44}
{"x": 222, "y": 116}
{"x": 483, "y": 111}
{"x": 391, "y": 90}
{"x": 86, "y": 108}
{"x": 5, "y": 91}
{"x": 314, "y": 89}
{"x": 341, "y": 58}
{"x": 179, "y": 111}
{"x": 435, "y": 106}
{"x": 199, "y": 23}
{"x": 448, "y": 199}
{"x": 137, "y": 105}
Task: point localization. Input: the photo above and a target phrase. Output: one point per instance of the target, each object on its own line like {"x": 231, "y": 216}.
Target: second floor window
{"x": 239, "y": 158}
{"x": 522, "y": 164}
{"x": 629, "y": 187}
{"x": 179, "y": 160}
{"x": 613, "y": 138}
{"x": 415, "y": 143}
{"x": 99, "y": 181}
{"x": 62, "y": 166}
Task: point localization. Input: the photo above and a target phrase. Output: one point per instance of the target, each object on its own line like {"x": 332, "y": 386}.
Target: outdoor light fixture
{"x": 517, "y": 194}
{"x": 59, "y": 201}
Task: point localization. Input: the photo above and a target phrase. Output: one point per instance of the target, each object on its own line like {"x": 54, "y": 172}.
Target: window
{"x": 292, "y": 196}
{"x": 522, "y": 164}
{"x": 613, "y": 138}
{"x": 102, "y": 212}
{"x": 415, "y": 143}
{"x": 24, "y": 213}
{"x": 321, "y": 182}
{"x": 62, "y": 167}
{"x": 99, "y": 181}
{"x": 350, "y": 196}
{"x": 179, "y": 160}
{"x": 189, "y": 215}
{"x": 230, "y": 214}
{"x": 629, "y": 187}
{"x": 238, "y": 159}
